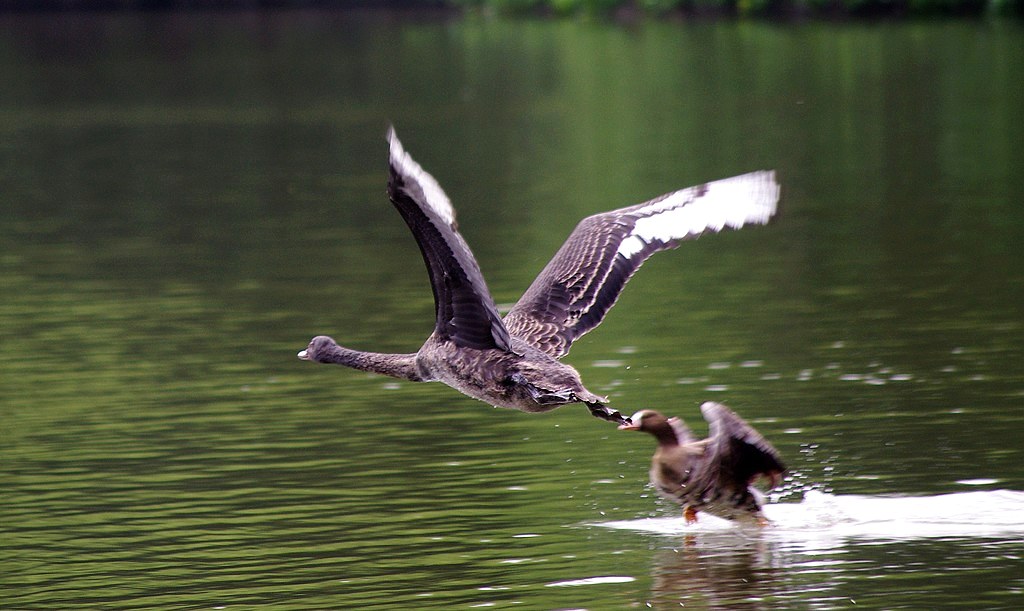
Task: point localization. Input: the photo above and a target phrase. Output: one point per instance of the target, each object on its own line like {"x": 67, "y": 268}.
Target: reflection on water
{"x": 187, "y": 199}
{"x": 735, "y": 573}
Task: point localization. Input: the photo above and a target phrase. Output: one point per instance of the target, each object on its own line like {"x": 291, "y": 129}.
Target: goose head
{"x": 647, "y": 421}
{"x": 319, "y": 347}
{"x": 668, "y": 431}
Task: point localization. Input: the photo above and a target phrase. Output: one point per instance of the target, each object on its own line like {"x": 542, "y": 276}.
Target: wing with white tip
{"x": 465, "y": 311}
{"x": 582, "y": 282}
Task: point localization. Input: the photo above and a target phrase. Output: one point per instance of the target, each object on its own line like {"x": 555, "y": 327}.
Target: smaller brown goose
{"x": 713, "y": 474}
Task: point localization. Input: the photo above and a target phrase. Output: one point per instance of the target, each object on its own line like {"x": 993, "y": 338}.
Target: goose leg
{"x": 603, "y": 412}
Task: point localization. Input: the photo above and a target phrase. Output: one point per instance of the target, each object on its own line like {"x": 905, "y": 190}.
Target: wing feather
{"x": 465, "y": 311}
{"x": 741, "y": 453}
{"x": 574, "y": 292}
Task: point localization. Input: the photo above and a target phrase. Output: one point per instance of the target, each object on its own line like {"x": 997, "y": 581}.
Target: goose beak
{"x": 302, "y": 355}
{"x": 629, "y": 426}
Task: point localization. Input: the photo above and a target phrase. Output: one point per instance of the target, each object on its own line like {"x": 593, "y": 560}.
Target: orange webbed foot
{"x": 690, "y": 515}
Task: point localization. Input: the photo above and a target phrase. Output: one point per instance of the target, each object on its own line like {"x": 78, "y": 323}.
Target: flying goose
{"x": 713, "y": 474}
{"x": 514, "y": 362}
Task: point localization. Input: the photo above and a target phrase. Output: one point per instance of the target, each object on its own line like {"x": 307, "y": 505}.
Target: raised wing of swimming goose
{"x": 582, "y": 282}
{"x": 740, "y": 451}
{"x": 465, "y": 310}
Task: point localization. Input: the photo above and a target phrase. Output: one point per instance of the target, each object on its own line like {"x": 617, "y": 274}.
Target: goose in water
{"x": 713, "y": 474}
{"x": 514, "y": 362}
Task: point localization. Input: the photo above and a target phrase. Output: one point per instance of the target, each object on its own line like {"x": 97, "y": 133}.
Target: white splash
{"x": 590, "y": 581}
{"x": 823, "y": 520}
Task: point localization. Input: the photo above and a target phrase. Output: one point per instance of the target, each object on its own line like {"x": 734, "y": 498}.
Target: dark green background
{"x": 186, "y": 200}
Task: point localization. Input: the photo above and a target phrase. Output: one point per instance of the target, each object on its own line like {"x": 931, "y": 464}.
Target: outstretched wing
{"x": 741, "y": 453}
{"x": 465, "y": 310}
{"x": 582, "y": 282}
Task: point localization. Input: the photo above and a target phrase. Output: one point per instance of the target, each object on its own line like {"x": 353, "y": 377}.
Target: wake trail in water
{"x": 823, "y": 517}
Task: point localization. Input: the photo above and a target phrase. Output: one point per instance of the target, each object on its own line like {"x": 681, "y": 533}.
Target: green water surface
{"x": 186, "y": 199}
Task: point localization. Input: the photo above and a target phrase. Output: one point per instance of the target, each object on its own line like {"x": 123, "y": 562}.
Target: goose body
{"x": 714, "y": 474}
{"x": 514, "y": 362}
